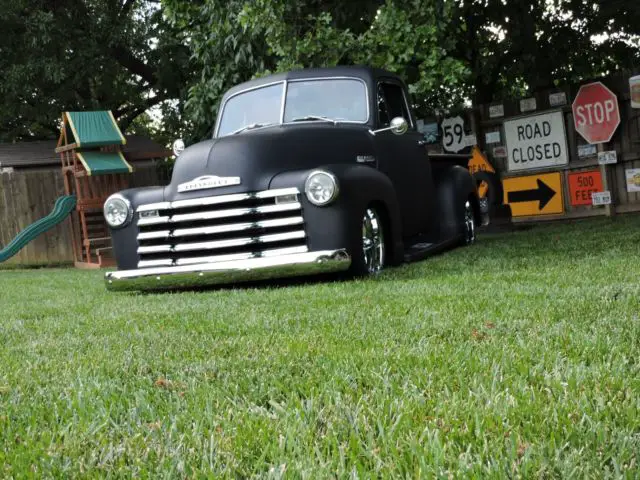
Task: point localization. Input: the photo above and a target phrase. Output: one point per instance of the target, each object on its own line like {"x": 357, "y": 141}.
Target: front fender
{"x": 333, "y": 226}
{"x": 124, "y": 240}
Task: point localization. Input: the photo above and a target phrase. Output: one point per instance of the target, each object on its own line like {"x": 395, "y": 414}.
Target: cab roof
{"x": 368, "y": 74}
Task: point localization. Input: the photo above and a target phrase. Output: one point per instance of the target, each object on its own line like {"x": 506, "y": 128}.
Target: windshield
{"x": 342, "y": 100}
{"x": 260, "y": 107}
{"x": 339, "y": 99}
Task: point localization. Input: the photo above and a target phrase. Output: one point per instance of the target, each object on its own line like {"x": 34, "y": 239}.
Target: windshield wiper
{"x": 251, "y": 126}
{"x": 315, "y": 117}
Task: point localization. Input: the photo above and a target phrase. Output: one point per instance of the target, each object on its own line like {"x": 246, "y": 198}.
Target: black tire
{"x": 369, "y": 246}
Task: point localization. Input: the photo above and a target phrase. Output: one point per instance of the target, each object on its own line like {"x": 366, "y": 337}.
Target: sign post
{"x": 596, "y": 116}
{"x": 604, "y": 173}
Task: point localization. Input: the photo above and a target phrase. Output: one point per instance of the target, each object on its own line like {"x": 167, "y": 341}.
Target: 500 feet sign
{"x": 536, "y": 141}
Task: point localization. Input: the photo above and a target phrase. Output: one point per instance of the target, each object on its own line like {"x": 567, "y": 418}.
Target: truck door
{"x": 404, "y": 160}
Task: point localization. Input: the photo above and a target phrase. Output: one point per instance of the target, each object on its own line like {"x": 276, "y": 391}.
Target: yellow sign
{"x": 534, "y": 194}
{"x": 479, "y": 163}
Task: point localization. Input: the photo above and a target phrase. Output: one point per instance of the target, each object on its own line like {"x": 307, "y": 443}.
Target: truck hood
{"x": 256, "y": 156}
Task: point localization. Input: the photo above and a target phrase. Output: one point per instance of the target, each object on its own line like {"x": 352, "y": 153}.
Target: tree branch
{"x": 125, "y": 58}
{"x": 127, "y": 115}
{"x": 126, "y": 8}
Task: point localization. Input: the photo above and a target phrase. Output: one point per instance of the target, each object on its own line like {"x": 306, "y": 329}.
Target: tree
{"x": 233, "y": 41}
{"x": 514, "y": 48}
{"x": 224, "y": 54}
{"x": 181, "y": 56}
{"x": 85, "y": 54}
{"x": 448, "y": 52}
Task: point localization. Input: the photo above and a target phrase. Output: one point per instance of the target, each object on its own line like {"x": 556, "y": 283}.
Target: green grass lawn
{"x": 518, "y": 357}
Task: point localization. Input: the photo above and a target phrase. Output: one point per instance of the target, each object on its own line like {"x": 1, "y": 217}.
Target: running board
{"x": 421, "y": 250}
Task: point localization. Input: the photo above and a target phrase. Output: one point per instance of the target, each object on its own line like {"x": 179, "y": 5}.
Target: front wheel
{"x": 469, "y": 225}
{"x": 368, "y": 255}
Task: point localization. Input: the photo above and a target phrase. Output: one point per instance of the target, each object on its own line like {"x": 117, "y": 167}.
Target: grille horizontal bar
{"x": 234, "y": 227}
{"x": 235, "y": 242}
{"x": 162, "y": 234}
{"x": 203, "y": 201}
{"x": 221, "y": 258}
{"x": 210, "y": 215}
{"x": 266, "y": 253}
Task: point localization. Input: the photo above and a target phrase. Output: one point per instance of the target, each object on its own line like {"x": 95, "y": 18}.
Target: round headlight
{"x": 321, "y": 187}
{"x": 117, "y": 211}
{"x": 178, "y": 147}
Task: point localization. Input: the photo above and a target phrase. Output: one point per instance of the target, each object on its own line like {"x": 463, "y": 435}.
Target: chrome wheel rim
{"x": 372, "y": 241}
{"x": 469, "y": 224}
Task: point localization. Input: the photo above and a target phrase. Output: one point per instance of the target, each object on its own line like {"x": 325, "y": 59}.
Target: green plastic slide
{"x": 63, "y": 207}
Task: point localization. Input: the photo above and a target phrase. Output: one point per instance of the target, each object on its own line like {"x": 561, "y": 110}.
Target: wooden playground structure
{"x": 93, "y": 168}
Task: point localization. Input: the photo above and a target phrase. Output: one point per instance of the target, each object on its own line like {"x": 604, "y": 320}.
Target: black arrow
{"x": 544, "y": 193}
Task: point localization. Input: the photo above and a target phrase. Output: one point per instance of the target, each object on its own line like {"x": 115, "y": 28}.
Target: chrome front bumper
{"x": 205, "y": 274}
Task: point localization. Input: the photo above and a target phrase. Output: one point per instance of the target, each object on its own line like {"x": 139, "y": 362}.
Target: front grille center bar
{"x": 210, "y": 215}
{"x": 233, "y": 227}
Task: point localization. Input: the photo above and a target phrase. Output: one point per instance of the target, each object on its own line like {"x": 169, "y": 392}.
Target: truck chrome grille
{"x": 221, "y": 228}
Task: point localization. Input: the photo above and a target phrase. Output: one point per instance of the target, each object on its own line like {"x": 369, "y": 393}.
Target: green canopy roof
{"x": 99, "y": 163}
{"x": 94, "y": 129}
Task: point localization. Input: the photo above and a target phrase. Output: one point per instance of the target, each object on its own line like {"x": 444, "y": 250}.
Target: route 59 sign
{"x": 453, "y": 139}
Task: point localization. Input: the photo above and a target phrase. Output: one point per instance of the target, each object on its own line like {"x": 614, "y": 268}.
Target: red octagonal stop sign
{"x": 595, "y": 113}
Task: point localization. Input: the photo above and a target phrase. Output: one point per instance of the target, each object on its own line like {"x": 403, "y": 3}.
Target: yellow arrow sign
{"x": 534, "y": 194}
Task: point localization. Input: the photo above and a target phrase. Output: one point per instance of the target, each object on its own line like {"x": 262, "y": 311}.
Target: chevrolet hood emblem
{"x": 208, "y": 181}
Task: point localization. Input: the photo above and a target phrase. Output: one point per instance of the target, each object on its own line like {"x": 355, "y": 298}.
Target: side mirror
{"x": 399, "y": 126}
{"x": 178, "y": 147}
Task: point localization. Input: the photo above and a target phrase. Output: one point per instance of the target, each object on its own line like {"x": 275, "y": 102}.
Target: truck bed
{"x": 461, "y": 159}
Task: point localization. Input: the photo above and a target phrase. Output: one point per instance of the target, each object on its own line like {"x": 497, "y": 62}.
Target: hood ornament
{"x": 208, "y": 181}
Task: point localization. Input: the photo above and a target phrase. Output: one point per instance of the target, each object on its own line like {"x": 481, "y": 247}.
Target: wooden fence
{"x": 28, "y": 195}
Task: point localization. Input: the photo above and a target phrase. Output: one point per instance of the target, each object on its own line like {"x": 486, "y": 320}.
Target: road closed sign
{"x": 534, "y": 195}
{"x": 536, "y": 141}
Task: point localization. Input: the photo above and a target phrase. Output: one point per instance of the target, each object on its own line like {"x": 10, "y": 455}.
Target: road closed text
{"x": 536, "y": 141}
{"x": 541, "y": 151}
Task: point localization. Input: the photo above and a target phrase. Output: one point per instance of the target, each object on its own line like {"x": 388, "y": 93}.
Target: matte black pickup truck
{"x": 310, "y": 171}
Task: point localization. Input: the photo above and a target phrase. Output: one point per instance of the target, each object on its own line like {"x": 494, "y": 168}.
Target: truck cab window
{"x": 383, "y": 114}
{"x": 394, "y": 103}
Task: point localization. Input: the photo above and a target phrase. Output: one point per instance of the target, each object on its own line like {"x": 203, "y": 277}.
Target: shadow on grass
{"x": 271, "y": 284}
{"x": 34, "y": 266}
